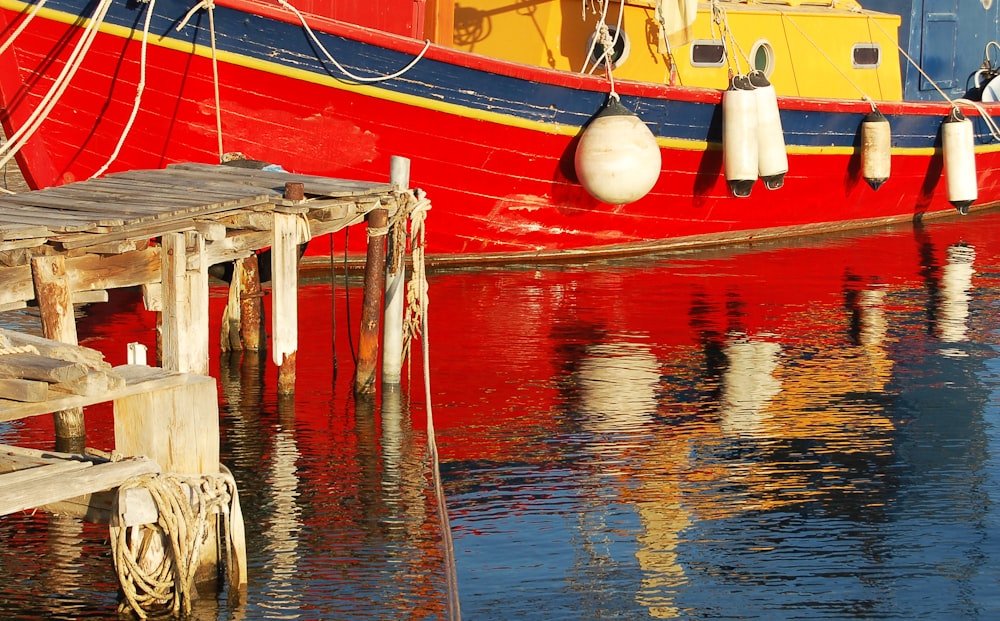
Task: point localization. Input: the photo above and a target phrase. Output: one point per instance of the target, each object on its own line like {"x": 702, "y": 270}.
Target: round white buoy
{"x": 617, "y": 159}
{"x": 739, "y": 136}
{"x": 772, "y": 160}
{"x": 876, "y": 149}
{"x": 959, "y": 145}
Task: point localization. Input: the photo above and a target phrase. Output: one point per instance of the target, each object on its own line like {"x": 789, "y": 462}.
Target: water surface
{"x": 802, "y": 430}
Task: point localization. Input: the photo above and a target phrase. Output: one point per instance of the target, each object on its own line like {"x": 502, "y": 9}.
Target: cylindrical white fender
{"x": 739, "y": 136}
{"x": 876, "y": 149}
{"x": 959, "y": 145}
{"x": 772, "y": 160}
{"x": 617, "y": 159}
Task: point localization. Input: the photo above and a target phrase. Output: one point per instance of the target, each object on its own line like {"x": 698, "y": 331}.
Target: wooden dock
{"x": 160, "y": 230}
{"x": 107, "y": 227}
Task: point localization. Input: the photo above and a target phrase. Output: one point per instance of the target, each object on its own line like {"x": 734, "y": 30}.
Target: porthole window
{"x": 619, "y": 51}
{"x": 707, "y": 53}
{"x": 762, "y": 57}
{"x": 866, "y": 55}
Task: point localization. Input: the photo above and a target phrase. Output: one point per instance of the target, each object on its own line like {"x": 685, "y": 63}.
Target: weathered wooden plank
{"x": 94, "y": 383}
{"x": 35, "y": 473}
{"x": 11, "y": 232}
{"x": 142, "y": 378}
{"x": 91, "y": 271}
{"x": 326, "y": 186}
{"x": 57, "y": 486}
{"x": 23, "y": 390}
{"x": 53, "y": 221}
{"x": 31, "y": 366}
{"x": 91, "y": 358}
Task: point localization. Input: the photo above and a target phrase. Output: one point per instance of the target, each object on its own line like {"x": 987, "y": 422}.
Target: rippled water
{"x": 789, "y": 431}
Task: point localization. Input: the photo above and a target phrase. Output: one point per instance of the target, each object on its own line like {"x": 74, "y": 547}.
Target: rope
{"x": 864, "y": 95}
{"x": 138, "y": 91}
{"x": 415, "y": 323}
{"x": 183, "y": 524}
{"x": 345, "y": 71}
{"x": 416, "y": 208}
{"x": 209, "y": 5}
{"x": 913, "y": 62}
{"x": 607, "y": 42}
{"x": 27, "y": 20}
{"x": 17, "y": 141}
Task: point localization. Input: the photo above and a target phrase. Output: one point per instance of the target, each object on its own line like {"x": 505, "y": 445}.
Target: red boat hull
{"x": 502, "y": 182}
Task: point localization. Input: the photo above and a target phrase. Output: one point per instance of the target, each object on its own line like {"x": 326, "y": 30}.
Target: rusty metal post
{"x": 378, "y": 222}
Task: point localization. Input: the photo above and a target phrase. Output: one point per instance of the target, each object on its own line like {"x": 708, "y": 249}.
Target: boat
{"x": 539, "y": 129}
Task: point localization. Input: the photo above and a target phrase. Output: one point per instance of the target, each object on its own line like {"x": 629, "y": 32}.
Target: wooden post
{"x": 176, "y": 425}
{"x": 395, "y": 274}
{"x": 284, "y": 292}
{"x": 185, "y": 304}
{"x": 251, "y": 303}
{"x": 55, "y": 303}
{"x": 364, "y": 382}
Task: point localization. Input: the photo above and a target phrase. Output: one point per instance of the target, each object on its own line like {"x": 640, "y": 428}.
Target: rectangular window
{"x": 707, "y": 53}
{"x": 866, "y": 55}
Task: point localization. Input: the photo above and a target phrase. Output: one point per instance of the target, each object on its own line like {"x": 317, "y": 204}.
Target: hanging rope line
{"x": 17, "y": 141}
{"x": 27, "y": 20}
{"x": 787, "y": 18}
{"x": 186, "y": 508}
{"x": 415, "y": 324}
{"x": 984, "y": 115}
{"x": 341, "y": 68}
{"x": 140, "y": 87}
{"x": 209, "y": 6}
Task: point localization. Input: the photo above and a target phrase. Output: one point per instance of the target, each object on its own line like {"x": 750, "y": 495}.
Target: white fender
{"x": 617, "y": 159}
{"x": 959, "y": 146}
{"x": 876, "y": 149}
{"x": 739, "y": 136}
{"x": 772, "y": 160}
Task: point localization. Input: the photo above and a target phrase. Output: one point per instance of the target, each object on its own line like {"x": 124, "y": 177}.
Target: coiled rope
{"x": 185, "y": 506}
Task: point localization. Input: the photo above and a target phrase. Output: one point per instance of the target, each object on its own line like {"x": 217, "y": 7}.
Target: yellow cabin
{"x": 809, "y": 48}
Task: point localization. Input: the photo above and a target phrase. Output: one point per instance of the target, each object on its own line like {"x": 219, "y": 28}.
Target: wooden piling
{"x": 55, "y": 303}
{"x": 185, "y": 303}
{"x": 284, "y": 289}
{"x": 364, "y": 381}
{"x": 251, "y": 303}
{"x": 395, "y": 273}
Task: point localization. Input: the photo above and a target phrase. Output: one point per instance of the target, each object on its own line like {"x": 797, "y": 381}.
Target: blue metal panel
{"x": 948, "y": 39}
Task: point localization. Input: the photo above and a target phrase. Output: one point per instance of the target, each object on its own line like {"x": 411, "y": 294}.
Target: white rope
{"x": 209, "y": 5}
{"x": 864, "y": 95}
{"x": 184, "y": 507}
{"x": 343, "y": 69}
{"x": 17, "y": 141}
{"x": 27, "y": 20}
{"x": 140, "y": 87}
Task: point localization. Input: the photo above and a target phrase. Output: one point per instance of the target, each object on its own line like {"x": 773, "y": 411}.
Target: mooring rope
{"x": 27, "y": 20}
{"x": 209, "y": 5}
{"x": 417, "y": 206}
{"x": 344, "y": 70}
{"x": 140, "y": 88}
{"x": 184, "y": 506}
{"x": 17, "y": 141}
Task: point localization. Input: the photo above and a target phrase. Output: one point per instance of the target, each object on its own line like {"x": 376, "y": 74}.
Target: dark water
{"x": 794, "y": 431}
